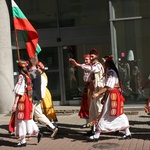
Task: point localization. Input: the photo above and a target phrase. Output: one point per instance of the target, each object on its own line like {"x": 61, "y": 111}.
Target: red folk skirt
{"x": 85, "y": 102}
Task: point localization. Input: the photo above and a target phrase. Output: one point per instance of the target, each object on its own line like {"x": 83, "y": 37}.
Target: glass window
{"x": 49, "y": 57}
{"x": 130, "y": 8}
{"x": 41, "y": 14}
{"x": 82, "y": 12}
{"x": 66, "y": 13}
{"x": 132, "y": 40}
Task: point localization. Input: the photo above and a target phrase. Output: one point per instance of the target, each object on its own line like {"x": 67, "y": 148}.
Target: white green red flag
{"x": 29, "y": 34}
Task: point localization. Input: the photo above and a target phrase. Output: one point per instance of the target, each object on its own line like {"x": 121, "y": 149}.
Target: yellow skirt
{"x": 47, "y": 106}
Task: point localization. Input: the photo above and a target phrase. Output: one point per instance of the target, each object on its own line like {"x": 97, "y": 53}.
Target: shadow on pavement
{"x": 75, "y": 133}
{"x": 4, "y": 127}
{"x": 5, "y": 142}
{"x": 139, "y": 122}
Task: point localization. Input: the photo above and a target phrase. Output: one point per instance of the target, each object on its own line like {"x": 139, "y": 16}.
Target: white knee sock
{"x": 127, "y": 132}
{"x": 23, "y": 140}
{"x": 97, "y": 135}
{"x": 87, "y": 121}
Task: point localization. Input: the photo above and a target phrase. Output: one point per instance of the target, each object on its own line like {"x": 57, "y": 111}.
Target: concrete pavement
{"x": 71, "y": 136}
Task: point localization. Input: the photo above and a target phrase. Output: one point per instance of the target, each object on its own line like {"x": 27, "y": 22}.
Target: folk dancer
{"x": 22, "y": 107}
{"x": 96, "y": 83}
{"x": 37, "y": 97}
{"x": 85, "y": 104}
{"x": 47, "y": 103}
{"x": 112, "y": 117}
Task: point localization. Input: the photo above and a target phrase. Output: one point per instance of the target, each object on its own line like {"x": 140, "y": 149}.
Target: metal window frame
{"x": 113, "y": 30}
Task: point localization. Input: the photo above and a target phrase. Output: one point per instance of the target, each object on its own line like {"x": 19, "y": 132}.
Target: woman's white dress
{"x": 109, "y": 123}
{"x": 23, "y": 127}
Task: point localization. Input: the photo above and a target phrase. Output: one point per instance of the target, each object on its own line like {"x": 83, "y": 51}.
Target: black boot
{"x": 39, "y": 136}
{"x": 91, "y": 132}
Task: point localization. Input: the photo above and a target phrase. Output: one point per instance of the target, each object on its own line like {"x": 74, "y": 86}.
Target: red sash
{"x": 117, "y": 102}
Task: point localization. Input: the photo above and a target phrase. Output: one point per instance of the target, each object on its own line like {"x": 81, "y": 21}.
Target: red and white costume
{"x": 24, "y": 124}
{"x": 85, "y": 104}
{"x": 113, "y": 117}
{"x": 98, "y": 82}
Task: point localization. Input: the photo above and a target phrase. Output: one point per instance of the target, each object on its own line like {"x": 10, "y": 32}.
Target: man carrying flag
{"x": 29, "y": 34}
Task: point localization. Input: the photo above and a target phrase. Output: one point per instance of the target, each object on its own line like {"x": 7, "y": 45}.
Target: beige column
{"x": 6, "y": 63}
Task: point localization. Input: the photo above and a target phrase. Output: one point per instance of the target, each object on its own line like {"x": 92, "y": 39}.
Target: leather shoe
{"x": 21, "y": 145}
{"x": 89, "y": 133}
{"x": 93, "y": 138}
{"x": 84, "y": 126}
{"x": 39, "y": 136}
{"x": 125, "y": 137}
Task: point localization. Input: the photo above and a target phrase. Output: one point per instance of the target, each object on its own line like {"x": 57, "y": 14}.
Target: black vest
{"x": 36, "y": 84}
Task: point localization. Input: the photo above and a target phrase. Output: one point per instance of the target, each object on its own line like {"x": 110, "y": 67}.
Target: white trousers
{"x": 95, "y": 108}
{"x": 37, "y": 111}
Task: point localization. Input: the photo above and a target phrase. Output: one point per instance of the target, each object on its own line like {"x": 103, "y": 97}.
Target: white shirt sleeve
{"x": 111, "y": 79}
{"x": 86, "y": 67}
{"x": 43, "y": 86}
{"x": 94, "y": 68}
{"x": 20, "y": 85}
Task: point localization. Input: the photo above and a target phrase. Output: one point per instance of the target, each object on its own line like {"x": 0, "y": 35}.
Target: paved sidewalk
{"x": 71, "y": 136}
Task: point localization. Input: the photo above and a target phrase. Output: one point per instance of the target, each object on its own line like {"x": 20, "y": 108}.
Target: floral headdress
{"x": 107, "y": 58}
{"x": 86, "y": 56}
{"x": 40, "y": 65}
{"x": 22, "y": 63}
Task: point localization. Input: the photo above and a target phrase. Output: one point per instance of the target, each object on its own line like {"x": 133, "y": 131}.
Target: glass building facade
{"x": 70, "y": 28}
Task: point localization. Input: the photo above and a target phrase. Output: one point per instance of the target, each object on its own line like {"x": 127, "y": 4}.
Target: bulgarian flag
{"x": 29, "y": 34}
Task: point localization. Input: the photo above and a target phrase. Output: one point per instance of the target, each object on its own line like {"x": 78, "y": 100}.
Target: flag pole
{"x": 18, "y": 52}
